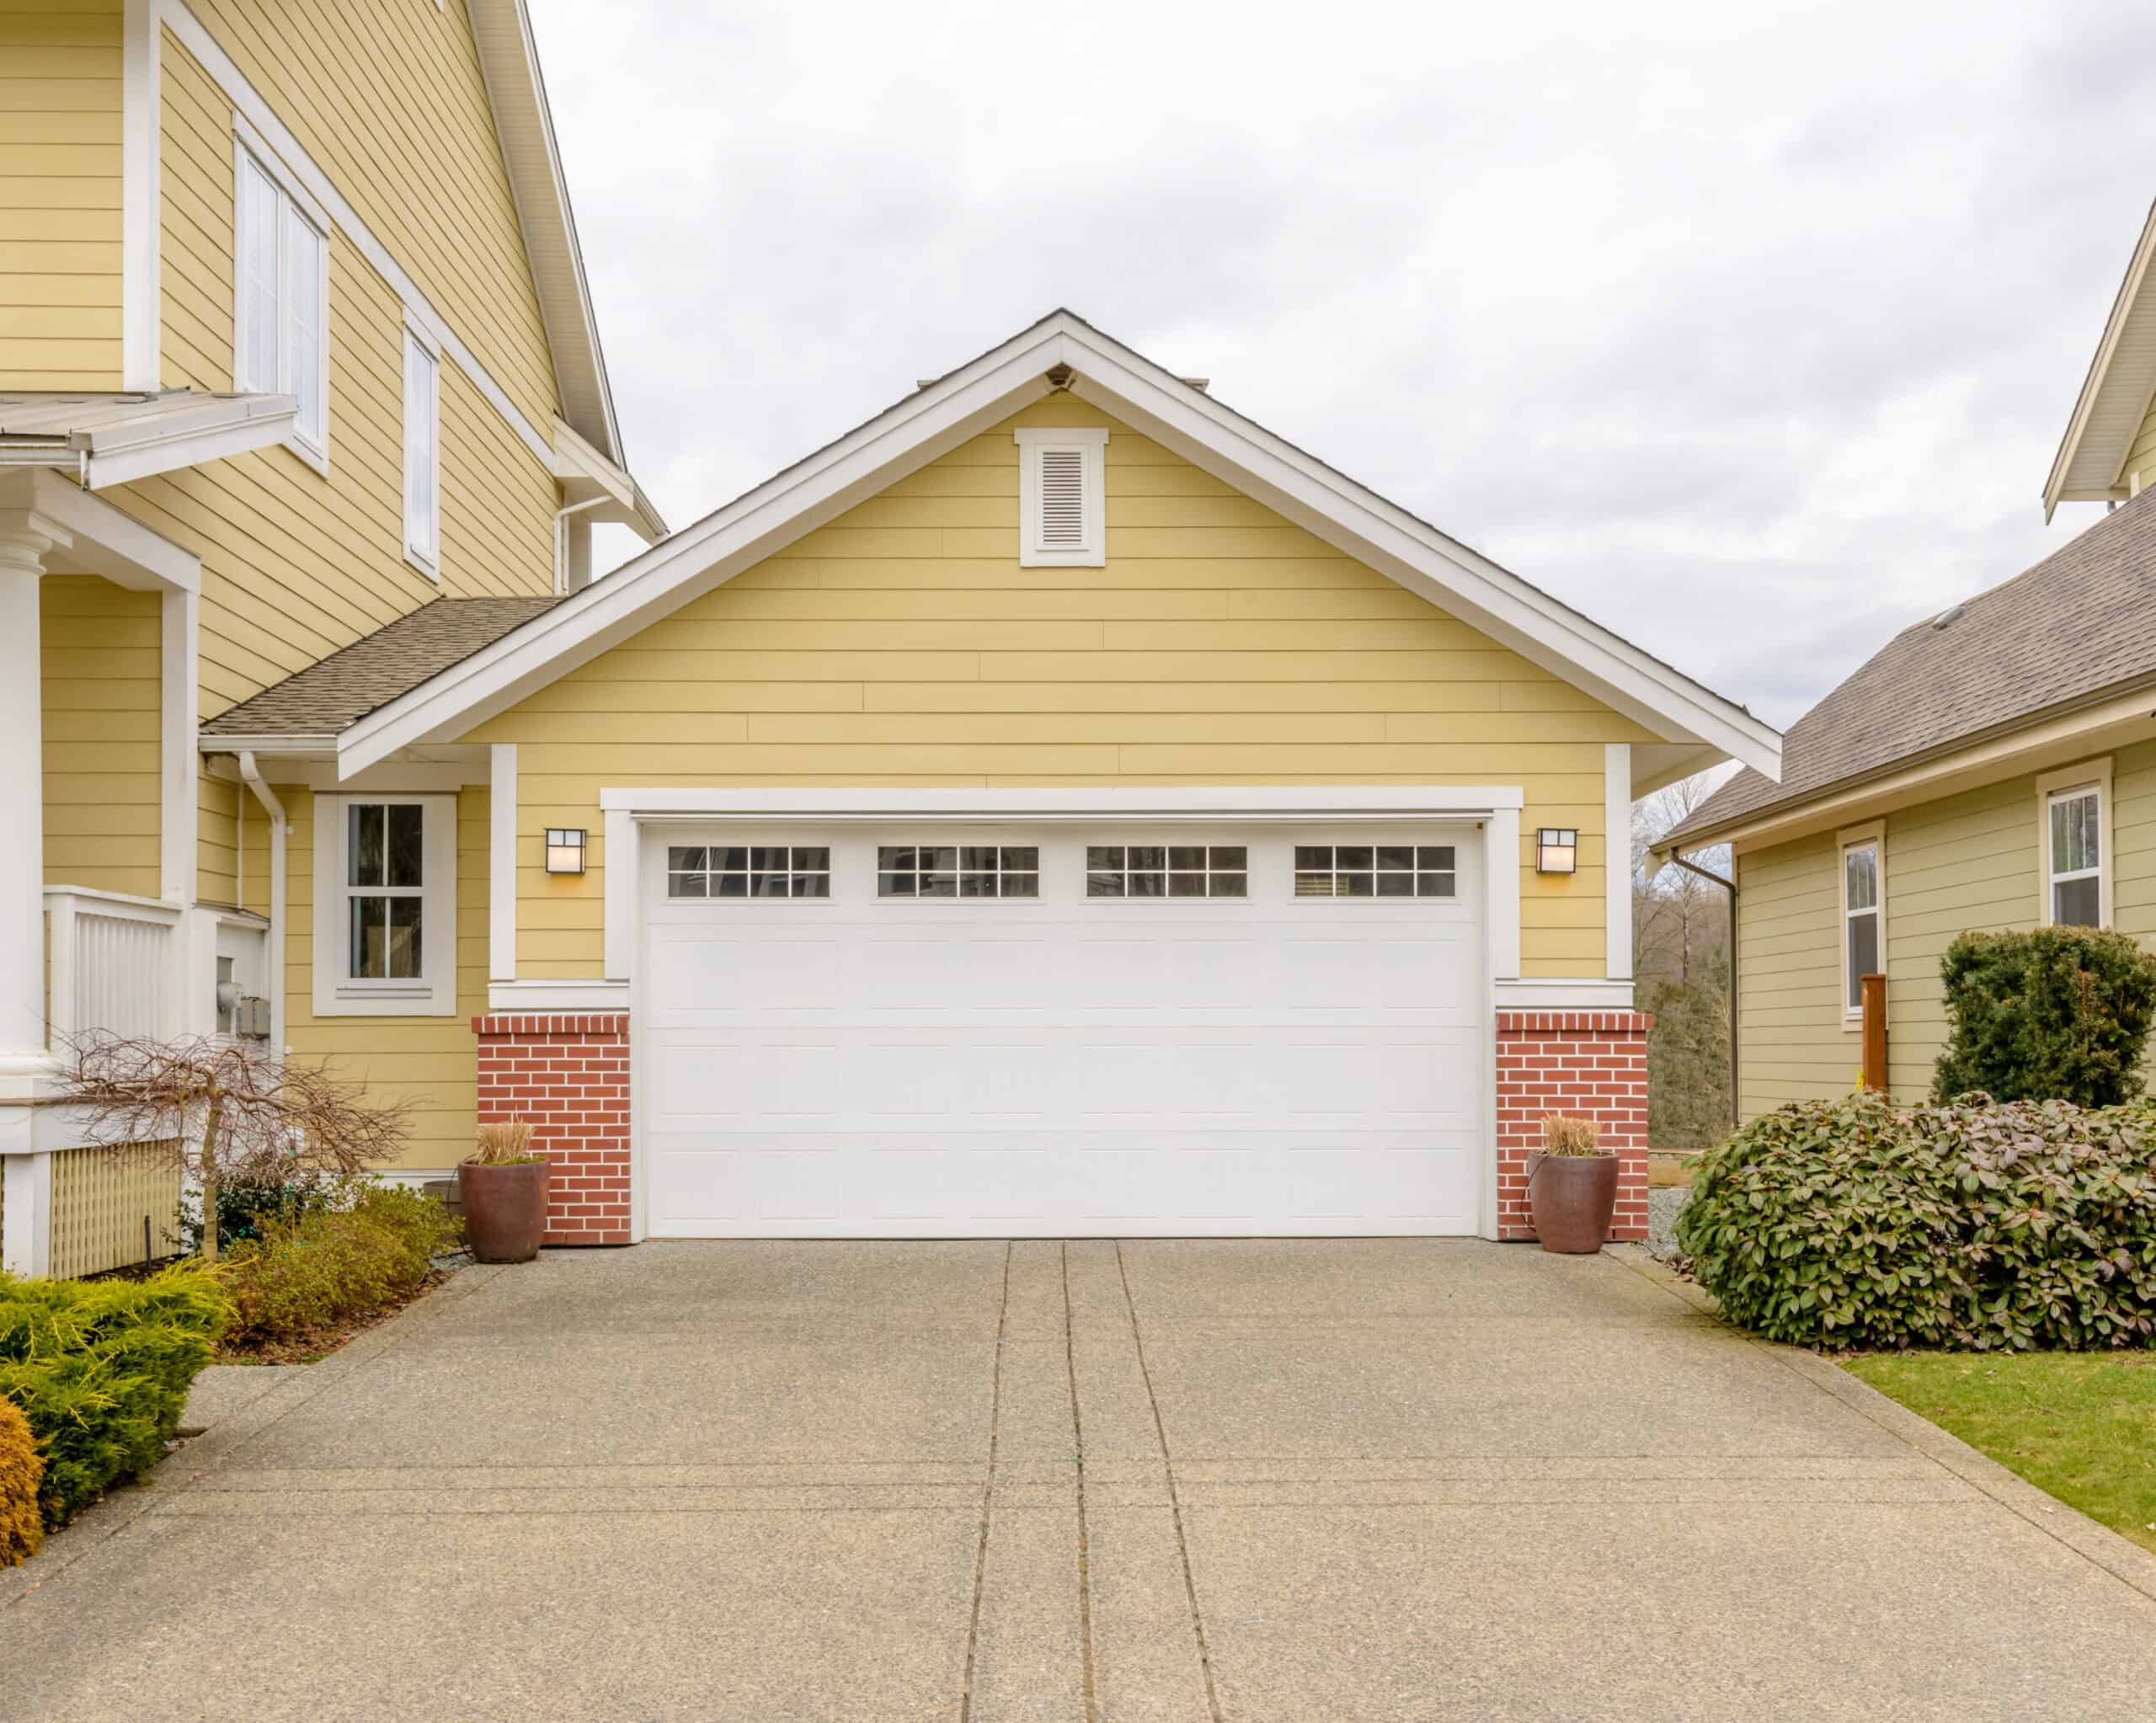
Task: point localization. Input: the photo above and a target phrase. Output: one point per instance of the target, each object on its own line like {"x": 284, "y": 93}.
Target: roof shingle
{"x": 332, "y": 695}
{"x": 2082, "y": 620}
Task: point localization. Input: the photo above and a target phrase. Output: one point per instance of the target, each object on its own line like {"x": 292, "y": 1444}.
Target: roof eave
{"x": 2062, "y": 484}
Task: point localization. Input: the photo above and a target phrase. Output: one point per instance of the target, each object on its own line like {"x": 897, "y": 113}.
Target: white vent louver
{"x": 1063, "y": 500}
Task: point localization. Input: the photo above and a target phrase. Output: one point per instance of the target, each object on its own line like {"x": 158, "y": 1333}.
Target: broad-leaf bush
{"x": 1855, "y": 1223}
{"x": 331, "y": 1265}
{"x": 101, "y": 1369}
{"x": 2058, "y": 1014}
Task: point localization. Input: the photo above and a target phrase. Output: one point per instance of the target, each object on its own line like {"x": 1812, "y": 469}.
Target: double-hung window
{"x": 2075, "y": 845}
{"x": 422, "y": 453}
{"x": 384, "y": 905}
{"x": 1864, "y": 910}
{"x": 281, "y": 336}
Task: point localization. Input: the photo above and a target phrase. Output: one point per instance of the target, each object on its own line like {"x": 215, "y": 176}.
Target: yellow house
{"x": 1057, "y": 805}
{"x": 294, "y": 343}
{"x": 1991, "y": 767}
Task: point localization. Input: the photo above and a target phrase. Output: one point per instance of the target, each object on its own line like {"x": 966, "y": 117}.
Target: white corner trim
{"x": 279, "y": 141}
{"x": 1209, "y": 802}
{"x": 26, "y": 1211}
{"x": 501, "y": 864}
{"x": 141, "y": 222}
{"x": 623, "y": 865}
{"x": 1617, "y": 860}
{"x": 1587, "y": 994}
{"x": 538, "y": 995}
{"x": 985, "y": 391}
{"x": 2081, "y": 773}
{"x": 1501, "y": 877}
{"x": 179, "y": 651}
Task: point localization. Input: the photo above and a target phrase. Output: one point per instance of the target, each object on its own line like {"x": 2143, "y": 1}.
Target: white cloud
{"x": 1750, "y": 330}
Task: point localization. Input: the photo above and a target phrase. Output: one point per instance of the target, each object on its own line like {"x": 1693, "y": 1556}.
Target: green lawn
{"x": 2079, "y": 1425}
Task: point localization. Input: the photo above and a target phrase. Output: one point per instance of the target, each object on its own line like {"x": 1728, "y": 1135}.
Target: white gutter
{"x": 278, "y": 832}
{"x": 562, "y": 542}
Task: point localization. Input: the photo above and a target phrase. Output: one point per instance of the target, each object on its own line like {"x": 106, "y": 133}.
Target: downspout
{"x": 1736, "y": 1108}
{"x": 562, "y": 541}
{"x": 278, "y": 830}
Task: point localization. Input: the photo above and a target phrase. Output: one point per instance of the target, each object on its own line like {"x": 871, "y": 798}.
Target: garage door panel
{"x": 860, "y": 1067}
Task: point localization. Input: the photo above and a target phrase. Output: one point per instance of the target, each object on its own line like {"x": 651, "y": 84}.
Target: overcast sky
{"x": 1749, "y": 330}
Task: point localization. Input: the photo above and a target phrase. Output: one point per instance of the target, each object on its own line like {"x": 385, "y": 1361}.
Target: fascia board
{"x": 1463, "y": 801}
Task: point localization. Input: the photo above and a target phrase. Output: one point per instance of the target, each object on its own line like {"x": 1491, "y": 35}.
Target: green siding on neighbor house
{"x": 1963, "y": 862}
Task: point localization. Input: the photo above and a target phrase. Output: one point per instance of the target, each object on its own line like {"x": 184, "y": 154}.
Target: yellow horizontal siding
{"x": 390, "y": 102}
{"x": 101, "y": 726}
{"x": 431, "y": 1062}
{"x": 60, "y": 195}
{"x": 904, "y": 643}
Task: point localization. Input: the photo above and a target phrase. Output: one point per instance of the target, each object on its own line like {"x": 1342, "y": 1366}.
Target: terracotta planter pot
{"x": 1573, "y": 1197}
{"x": 505, "y": 1209}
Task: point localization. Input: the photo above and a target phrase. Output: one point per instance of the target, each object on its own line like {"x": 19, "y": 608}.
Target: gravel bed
{"x": 1664, "y": 1200}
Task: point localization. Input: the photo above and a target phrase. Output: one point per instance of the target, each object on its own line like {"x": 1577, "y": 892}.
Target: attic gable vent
{"x": 1062, "y": 504}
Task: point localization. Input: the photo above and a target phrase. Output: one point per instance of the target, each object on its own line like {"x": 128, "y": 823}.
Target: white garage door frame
{"x": 635, "y": 815}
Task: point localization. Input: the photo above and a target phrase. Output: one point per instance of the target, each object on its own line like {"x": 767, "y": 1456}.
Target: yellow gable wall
{"x": 904, "y": 643}
{"x": 60, "y": 203}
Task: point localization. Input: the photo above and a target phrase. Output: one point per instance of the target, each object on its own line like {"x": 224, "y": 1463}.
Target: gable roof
{"x": 2079, "y": 624}
{"x": 1697, "y": 725}
{"x": 509, "y": 59}
{"x": 337, "y": 692}
{"x": 2117, "y": 392}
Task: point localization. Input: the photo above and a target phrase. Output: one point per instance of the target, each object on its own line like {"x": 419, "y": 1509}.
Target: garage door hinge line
{"x": 987, "y": 1494}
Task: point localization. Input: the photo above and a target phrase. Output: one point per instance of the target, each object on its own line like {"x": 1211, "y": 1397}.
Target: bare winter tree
{"x": 1680, "y": 932}
{"x": 228, "y": 1110}
{"x": 1677, "y": 916}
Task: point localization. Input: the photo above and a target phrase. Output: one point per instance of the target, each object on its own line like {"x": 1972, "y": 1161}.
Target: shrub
{"x": 245, "y": 1205}
{"x": 1852, "y": 1223}
{"x": 332, "y": 1265}
{"x": 101, "y": 1370}
{"x": 2061, "y": 1014}
{"x": 22, "y": 1525}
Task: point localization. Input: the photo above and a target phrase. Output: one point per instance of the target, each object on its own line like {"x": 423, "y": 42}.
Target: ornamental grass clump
{"x": 1974, "y": 1225}
{"x": 508, "y": 1143}
{"x": 1570, "y": 1137}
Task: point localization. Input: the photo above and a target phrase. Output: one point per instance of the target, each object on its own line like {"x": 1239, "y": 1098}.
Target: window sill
{"x": 413, "y": 559}
{"x": 318, "y": 459}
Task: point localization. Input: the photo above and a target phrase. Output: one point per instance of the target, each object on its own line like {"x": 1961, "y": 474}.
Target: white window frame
{"x": 433, "y": 992}
{"x": 1872, "y": 837}
{"x": 2061, "y": 785}
{"x": 310, "y": 442}
{"x": 1091, "y": 443}
{"x": 423, "y": 529}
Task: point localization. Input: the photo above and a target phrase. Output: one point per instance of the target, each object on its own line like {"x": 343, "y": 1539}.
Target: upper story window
{"x": 2074, "y": 843}
{"x": 384, "y": 905}
{"x": 1062, "y": 496}
{"x": 422, "y": 453}
{"x": 280, "y": 338}
{"x": 1864, "y": 909}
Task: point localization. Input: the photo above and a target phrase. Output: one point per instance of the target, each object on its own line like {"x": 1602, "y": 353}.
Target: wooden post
{"x": 1874, "y": 1031}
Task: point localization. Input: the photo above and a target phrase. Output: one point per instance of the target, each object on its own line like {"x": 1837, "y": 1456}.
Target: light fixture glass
{"x": 564, "y": 851}
{"x": 1556, "y": 849}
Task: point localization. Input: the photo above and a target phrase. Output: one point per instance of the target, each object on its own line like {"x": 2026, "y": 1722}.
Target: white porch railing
{"x": 114, "y": 965}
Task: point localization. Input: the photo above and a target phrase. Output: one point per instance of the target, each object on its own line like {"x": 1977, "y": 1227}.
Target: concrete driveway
{"x": 1192, "y": 1481}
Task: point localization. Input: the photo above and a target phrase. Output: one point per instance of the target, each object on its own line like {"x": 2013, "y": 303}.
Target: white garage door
{"x": 870, "y": 1032}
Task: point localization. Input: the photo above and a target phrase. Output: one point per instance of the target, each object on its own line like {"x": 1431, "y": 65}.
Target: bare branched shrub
{"x": 1570, "y": 1136}
{"x": 227, "y": 1110}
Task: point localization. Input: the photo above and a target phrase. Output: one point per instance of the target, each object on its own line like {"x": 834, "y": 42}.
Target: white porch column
{"x": 26, "y": 537}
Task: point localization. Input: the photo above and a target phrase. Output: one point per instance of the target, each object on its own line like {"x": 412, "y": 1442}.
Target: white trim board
{"x": 501, "y": 863}
{"x": 1187, "y": 801}
{"x": 977, "y": 395}
{"x": 1617, "y": 860}
{"x": 142, "y": 293}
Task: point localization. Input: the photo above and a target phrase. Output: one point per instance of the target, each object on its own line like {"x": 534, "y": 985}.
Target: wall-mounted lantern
{"x": 564, "y": 851}
{"x": 1556, "y": 849}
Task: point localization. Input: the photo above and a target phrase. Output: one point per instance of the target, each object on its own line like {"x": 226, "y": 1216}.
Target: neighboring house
{"x": 294, "y": 343}
{"x": 1991, "y": 767}
{"x": 1058, "y": 805}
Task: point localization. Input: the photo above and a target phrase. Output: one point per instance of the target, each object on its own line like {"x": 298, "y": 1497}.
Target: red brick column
{"x": 567, "y": 1076}
{"x": 1588, "y": 1064}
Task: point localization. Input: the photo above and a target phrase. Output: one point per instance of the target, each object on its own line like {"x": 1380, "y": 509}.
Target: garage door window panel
{"x": 742, "y": 871}
{"x": 1375, "y": 871}
{"x": 1167, "y": 871}
{"x": 958, "y": 871}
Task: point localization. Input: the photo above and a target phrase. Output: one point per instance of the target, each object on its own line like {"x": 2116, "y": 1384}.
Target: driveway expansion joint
{"x": 987, "y": 1497}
